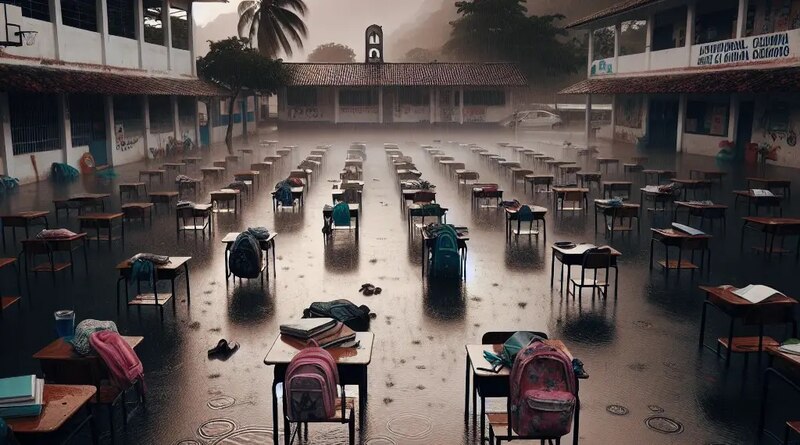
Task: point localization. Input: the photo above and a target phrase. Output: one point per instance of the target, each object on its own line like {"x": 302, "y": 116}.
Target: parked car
{"x": 533, "y": 119}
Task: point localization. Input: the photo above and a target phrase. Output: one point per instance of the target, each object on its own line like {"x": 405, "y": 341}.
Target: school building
{"x": 381, "y": 93}
{"x": 113, "y": 78}
{"x": 685, "y": 75}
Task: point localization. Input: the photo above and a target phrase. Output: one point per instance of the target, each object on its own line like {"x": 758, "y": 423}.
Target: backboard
{"x": 10, "y": 25}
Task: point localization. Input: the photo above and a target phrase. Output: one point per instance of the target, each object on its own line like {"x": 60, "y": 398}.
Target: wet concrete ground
{"x": 640, "y": 349}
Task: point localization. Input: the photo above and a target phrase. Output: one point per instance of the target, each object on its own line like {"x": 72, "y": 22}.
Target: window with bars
{"x": 128, "y": 111}
{"x": 488, "y": 98}
{"x": 187, "y": 109}
{"x": 79, "y": 14}
{"x": 179, "y": 27}
{"x": 301, "y": 97}
{"x": 160, "y": 114}
{"x": 34, "y": 122}
{"x": 358, "y": 98}
{"x": 122, "y": 18}
{"x": 35, "y": 9}
{"x": 413, "y": 96}
{"x": 153, "y": 22}
{"x": 86, "y": 118}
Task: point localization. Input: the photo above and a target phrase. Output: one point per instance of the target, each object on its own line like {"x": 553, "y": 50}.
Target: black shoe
{"x": 577, "y": 367}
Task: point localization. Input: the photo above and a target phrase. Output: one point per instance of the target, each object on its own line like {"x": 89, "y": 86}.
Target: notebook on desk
{"x": 756, "y": 293}
{"x": 761, "y": 192}
{"x": 17, "y": 389}
{"x": 687, "y": 230}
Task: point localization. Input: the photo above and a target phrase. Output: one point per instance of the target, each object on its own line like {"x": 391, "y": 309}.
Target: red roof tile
{"x": 615, "y": 9}
{"x": 405, "y": 74}
{"x": 727, "y": 81}
{"x": 40, "y": 79}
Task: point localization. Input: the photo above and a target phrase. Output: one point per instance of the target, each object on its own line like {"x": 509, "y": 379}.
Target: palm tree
{"x": 273, "y": 24}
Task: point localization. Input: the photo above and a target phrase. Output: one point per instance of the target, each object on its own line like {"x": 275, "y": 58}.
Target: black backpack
{"x": 354, "y": 317}
{"x": 245, "y": 257}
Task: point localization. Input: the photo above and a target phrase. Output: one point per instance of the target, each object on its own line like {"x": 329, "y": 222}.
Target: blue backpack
{"x": 341, "y": 215}
{"x": 446, "y": 261}
{"x": 142, "y": 270}
{"x": 284, "y": 194}
{"x": 245, "y": 257}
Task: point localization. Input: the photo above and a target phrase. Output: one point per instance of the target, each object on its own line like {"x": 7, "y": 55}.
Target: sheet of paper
{"x": 756, "y": 293}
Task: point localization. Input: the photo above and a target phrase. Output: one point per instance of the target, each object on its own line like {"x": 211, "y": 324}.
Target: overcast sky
{"x": 341, "y": 21}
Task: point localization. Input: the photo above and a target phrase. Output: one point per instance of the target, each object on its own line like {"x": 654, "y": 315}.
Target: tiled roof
{"x": 405, "y": 74}
{"x": 727, "y": 81}
{"x": 615, "y": 9}
{"x": 41, "y": 79}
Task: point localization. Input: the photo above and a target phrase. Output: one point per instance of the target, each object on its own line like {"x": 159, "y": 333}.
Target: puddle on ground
{"x": 617, "y": 410}
{"x": 221, "y": 402}
{"x": 663, "y": 424}
{"x": 410, "y": 426}
{"x": 246, "y": 436}
{"x": 380, "y": 440}
{"x": 216, "y": 428}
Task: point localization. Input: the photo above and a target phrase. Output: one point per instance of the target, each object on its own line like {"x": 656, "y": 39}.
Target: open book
{"x": 687, "y": 230}
{"x": 761, "y": 192}
{"x": 790, "y": 348}
{"x": 756, "y": 293}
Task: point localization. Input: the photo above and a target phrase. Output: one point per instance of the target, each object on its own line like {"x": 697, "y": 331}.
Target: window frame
{"x": 302, "y": 97}
{"x": 705, "y": 116}
{"x": 485, "y": 98}
{"x": 80, "y": 14}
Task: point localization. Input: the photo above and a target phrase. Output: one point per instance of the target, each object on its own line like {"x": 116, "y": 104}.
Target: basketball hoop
{"x": 28, "y": 37}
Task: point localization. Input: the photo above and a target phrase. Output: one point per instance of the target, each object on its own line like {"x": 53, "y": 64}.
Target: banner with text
{"x": 763, "y": 48}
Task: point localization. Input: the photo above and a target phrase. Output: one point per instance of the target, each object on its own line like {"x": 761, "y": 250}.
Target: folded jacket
{"x": 55, "y": 234}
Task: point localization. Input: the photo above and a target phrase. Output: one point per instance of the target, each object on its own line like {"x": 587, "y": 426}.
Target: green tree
{"x": 232, "y": 64}
{"x": 501, "y": 31}
{"x": 273, "y": 24}
{"x": 331, "y": 53}
{"x": 420, "y": 55}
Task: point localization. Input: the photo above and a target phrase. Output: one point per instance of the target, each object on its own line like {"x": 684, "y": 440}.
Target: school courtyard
{"x": 649, "y": 381}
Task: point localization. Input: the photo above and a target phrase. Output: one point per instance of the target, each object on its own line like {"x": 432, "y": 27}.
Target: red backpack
{"x": 122, "y": 362}
{"x": 542, "y": 396}
{"x": 310, "y": 388}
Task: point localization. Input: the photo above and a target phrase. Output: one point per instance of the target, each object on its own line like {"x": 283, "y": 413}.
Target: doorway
{"x": 662, "y": 123}
{"x": 88, "y": 125}
{"x": 744, "y": 129}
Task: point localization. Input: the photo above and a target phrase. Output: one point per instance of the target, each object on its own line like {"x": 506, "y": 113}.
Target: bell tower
{"x": 374, "y": 44}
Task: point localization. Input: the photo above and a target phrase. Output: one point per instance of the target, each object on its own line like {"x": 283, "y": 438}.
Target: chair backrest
{"x": 625, "y": 212}
{"x": 350, "y": 196}
{"x": 597, "y": 258}
{"x": 424, "y": 197}
{"x": 525, "y": 213}
{"x": 573, "y": 196}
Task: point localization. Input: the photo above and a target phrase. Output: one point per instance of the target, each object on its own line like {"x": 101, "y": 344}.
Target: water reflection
{"x": 288, "y": 221}
{"x": 250, "y": 304}
{"x": 523, "y": 254}
{"x": 444, "y": 299}
{"x": 342, "y": 253}
{"x": 587, "y": 323}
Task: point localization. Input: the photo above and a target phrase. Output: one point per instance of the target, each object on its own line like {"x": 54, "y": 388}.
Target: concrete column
{"x": 691, "y": 8}
{"x": 613, "y": 114}
{"x": 733, "y": 118}
{"x": 588, "y": 118}
{"x": 461, "y": 105}
{"x": 192, "y": 53}
{"x": 335, "y": 104}
{"x": 681, "y": 122}
{"x": 617, "y": 32}
{"x": 146, "y": 124}
{"x": 645, "y": 113}
{"x": 431, "y": 104}
{"x": 176, "y": 126}
{"x": 6, "y": 143}
{"x": 111, "y": 136}
{"x": 197, "y": 141}
{"x": 55, "y": 19}
{"x": 380, "y": 105}
{"x": 102, "y": 27}
{"x": 243, "y": 112}
{"x": 139, "y": 30}
{"x": 65, "y": 130}
{"x": 590, "y": 54}
{"x": 166, "y": 24}
{"x": 648, "y": 40}
{"x": 741, "y": 19}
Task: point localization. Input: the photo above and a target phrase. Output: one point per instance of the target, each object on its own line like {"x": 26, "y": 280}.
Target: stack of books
{"x": 327, "y": 332}
{"x": 21, "y": 396}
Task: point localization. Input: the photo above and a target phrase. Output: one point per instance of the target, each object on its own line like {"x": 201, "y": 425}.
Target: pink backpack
{"x": 310, "y": 385}
{"x": 542, "y": 394}
{"x": 122, "y": 362}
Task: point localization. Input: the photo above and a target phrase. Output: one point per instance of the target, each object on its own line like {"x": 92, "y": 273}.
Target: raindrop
{"x": 617, "y": 410}
{"x": 410, "y": 426}
{"x": 663, "y": 424}
{"x": 221, "y": 402}
{"x": 380, "y": 440}
{"x": 247, "y": 436}
{"x": 216, "y": 428}
{"x": 643, "y": 324}
{"x": 655, "y": 408}
{"x": 188, "y": 442}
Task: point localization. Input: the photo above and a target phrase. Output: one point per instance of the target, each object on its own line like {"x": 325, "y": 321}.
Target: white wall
{"x": 154, "y": 57}
{"x": 411, "y": 113}
{"x": 23, "y": 168}
{"x": 353, "y": 114}
{"x": 123, "y": 52}
{"x": 632, "y": 63}
{"x": 701, "y": 144}
{"x": 44, "y": 46}
{"x": 669, "y": 58}
{"x": 181, "y": 61}
{"x": 776, "y": 108}
{"x": 79, "y": 45}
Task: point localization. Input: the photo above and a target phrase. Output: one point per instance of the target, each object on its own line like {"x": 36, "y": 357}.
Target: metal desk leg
{"x": 466, "y": 392}
{"x": 274, "y": 411}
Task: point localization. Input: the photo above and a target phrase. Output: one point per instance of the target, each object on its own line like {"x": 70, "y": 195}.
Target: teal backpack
{"x": 341, "y": 215}
{"x": 446, "y": 261}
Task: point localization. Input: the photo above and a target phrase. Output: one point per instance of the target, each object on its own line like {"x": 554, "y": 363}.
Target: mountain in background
{"x": 222, "y": 27}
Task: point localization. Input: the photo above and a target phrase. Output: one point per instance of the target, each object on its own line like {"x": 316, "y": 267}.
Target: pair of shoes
{"x": 368, "y": 289}
{"x": 223, "y": 350}
{"x": 577, "y": 367}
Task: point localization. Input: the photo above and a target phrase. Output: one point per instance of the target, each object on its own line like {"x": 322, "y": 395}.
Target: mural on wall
{"x": 629, "y": 111}
{"x": 474, "y": 114}
{"x": 359, "y": 110}
{"x": 404, "y": 111}
{"x": 167, "y": 144}
{"x": 123, "y": 143}
{"x": 304, "y": 113}
{"x": 776, "y": 125}
{"x": 601, "y": 67}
